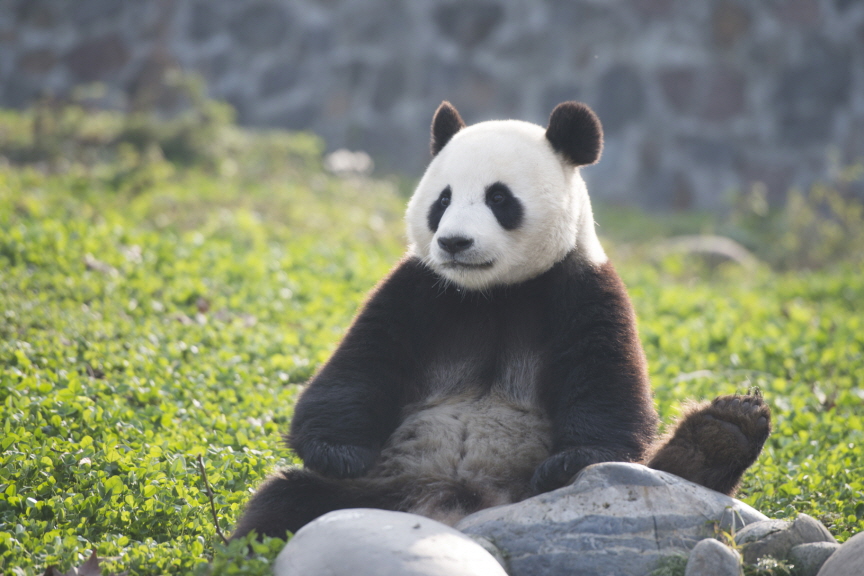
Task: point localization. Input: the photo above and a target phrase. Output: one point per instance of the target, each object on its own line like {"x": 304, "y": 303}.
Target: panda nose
{"x": 455, "y": 244}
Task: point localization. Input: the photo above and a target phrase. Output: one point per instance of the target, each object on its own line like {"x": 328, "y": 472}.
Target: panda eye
{"x": 445, "y": 201}
{"x": 498, "y": 198}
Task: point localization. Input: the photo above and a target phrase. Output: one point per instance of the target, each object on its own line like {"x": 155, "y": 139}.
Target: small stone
{"x": 366, "y": 542}
{"x": 848, "y": 560}
{"x": 760, "y": 531}
{"x": 811, "y": 530}
{"x": 809, "y": 558}
{"x": 776, "y": 538}
{"x": 711, "y": 558}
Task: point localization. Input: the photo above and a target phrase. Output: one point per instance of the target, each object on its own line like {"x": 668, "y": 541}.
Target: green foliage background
{"x": 153, "y": 310}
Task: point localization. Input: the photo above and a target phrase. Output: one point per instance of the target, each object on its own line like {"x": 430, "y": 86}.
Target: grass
{"x": 151, "y": 313}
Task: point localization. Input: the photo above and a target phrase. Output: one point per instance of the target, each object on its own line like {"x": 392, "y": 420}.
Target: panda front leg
{"x": 715, "y": 442}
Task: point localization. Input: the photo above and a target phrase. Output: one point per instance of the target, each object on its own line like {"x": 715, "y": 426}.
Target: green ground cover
{"x": 151, "y": 314}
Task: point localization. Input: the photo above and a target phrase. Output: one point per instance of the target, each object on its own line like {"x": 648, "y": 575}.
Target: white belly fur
{"x": 462, "y": 453}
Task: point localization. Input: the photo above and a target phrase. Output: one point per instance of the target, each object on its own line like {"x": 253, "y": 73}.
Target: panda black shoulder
{"x": 406, "y": 287}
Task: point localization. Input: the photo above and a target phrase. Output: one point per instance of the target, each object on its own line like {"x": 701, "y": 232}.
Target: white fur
{"x": 488, "y": 444}
{"x": 557, "y": 211}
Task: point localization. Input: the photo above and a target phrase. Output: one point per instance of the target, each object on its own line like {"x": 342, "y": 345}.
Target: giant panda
{"x": 500, "y": 357}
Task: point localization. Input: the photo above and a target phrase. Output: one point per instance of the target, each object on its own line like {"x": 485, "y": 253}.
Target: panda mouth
{"x": 458, "y": 264}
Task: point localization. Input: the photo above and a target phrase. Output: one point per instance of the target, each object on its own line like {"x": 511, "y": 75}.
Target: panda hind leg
{"x": 293, "y": 497}
{"x": 715, "y": 442}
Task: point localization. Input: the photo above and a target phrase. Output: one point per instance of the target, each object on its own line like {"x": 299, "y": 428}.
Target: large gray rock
{"x": 848, "y": 560}
{"x": 711, "y": 558}
{"x": 615, "y": 518}
{"x": 365, "y": 542}
{"x": 809, "y": 558}
{"x": 776, "y": 538}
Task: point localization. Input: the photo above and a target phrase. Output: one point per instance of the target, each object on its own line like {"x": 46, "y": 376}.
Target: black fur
{"x": 575, "y": 132}
{"x": 437, "y": 209}
{"x": 715, "y": 442}
{"x": 593, "y": 383}
{"x": 445, "y": 124}
{"x": 292, "y": 498}
{"x": 506, "y": 207}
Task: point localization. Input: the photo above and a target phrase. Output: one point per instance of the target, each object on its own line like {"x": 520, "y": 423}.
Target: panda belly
{"x": 456, "y": 455}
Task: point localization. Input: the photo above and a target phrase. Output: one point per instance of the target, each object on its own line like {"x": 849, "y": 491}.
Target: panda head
{"x": 503, "y": 201}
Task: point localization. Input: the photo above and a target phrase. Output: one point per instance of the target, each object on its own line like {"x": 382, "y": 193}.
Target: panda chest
{"x": 477, "y": 418}
{"x": 497, "y": 353}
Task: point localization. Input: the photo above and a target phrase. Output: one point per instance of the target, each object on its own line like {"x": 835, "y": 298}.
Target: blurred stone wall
{"x": 698, "y": 97}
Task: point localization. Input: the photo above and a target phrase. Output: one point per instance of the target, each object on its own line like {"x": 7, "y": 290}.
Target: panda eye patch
{"x": 437, "y": 209}
{"x": 505, "y": 206}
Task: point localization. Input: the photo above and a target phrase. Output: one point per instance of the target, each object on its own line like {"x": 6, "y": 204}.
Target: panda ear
{"x": 575, "y": 132}
{"x": 445, "y": 124}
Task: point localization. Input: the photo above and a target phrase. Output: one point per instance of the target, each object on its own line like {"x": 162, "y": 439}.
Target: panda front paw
{"x": 338, "y": 460}
{"x": 557, "y": 471}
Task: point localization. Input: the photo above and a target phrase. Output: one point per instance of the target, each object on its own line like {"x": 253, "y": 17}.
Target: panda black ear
{"x": 575, "y": 132}
{"x": 445, "y": 124}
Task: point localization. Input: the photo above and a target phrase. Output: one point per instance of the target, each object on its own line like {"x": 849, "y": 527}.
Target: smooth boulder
{"x": 848, "y": 560}
{"x": 366, "y": 542}
{"x": 711, "y": 558}
{"x": 809, "y": 558}
{"x": 615, "y": 518}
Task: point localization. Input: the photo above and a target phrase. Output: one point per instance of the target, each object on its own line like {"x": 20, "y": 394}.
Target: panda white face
{"x": 498, "y": 205}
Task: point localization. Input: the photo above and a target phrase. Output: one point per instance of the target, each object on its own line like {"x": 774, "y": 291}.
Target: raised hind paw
{"x": 714, "y": 443}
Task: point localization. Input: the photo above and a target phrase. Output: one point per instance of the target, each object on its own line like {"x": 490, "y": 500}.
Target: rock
{"x": 278, "y": 78}
{"x": 37, "y": 61}
{"x": 366, "y": 542}
{"x": 809, "y": 558}
{"x": 468, "y": 22}
{"x": 808, "y": 95}
{"x": 729, "y": 22}
{"x": 711, "y": 558}
{"x": 776, "y": 538}
{"x": 622, "y": 98}
{"x": 615, "y": 518}
{"x": 679, "y": 87}
{"x": 760, "y": 531}
{"x": 389, "y": 87}
{"x": 260, "y": 26}
{"x": 848, "y": 560}
{"x": 88, "y": 12}
{"x": 726, "y": 95}
{"x": 95, "y": 59}
{"x": 559, "y": 92}
{"x": 205, "y": 21}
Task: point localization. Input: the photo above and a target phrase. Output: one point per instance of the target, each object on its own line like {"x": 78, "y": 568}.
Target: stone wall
{"x": 698, "y": 97}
